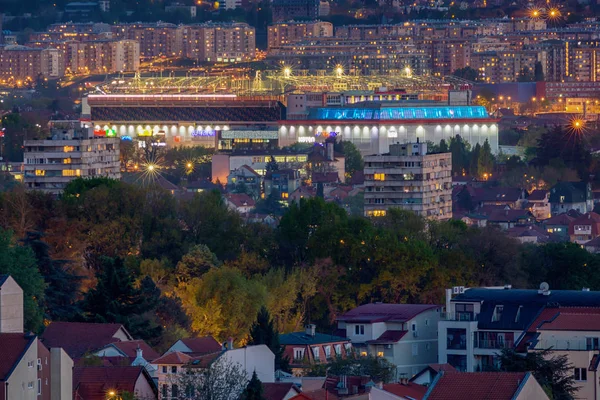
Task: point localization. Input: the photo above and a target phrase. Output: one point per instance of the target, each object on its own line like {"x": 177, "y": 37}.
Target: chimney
{"x": 230, "y": 343}
{"x": 311, "y": 330}
{"x": 138, "y": 352}
{"x": 404, "y": 381}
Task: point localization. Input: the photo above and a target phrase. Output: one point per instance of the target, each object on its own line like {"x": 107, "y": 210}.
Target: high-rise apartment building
{"x": 103, "y": 56}
{"x": 52, "y": 163}
{"x": 293, "y": 32}
{"x": 284, "y": 10}
{"x": 21, "y": 62}
{"x": 410, "y": 179}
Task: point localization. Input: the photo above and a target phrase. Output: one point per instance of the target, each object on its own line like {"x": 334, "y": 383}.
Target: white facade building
{"x": 405, "y": 334}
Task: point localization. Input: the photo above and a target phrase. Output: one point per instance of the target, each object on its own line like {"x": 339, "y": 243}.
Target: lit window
{"x": 66, "y": 161}
{"x": 379, "y": 177}
{"x": 380, "y": 354}
{"x": 40, "y": 172}
{"x": 67, "y": 149}
{"x": 376, "y": 213}
{"x": 71, "y": 172}
{"x": 285, "y": 195}
{"x": 363, "y": 353}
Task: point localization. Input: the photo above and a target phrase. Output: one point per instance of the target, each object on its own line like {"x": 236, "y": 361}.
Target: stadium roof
{"x": 398, "y": 112}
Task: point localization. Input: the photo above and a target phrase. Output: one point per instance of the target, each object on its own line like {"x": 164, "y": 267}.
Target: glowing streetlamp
{"x": 339, "y": 71}
{"x": 287, "y": 72}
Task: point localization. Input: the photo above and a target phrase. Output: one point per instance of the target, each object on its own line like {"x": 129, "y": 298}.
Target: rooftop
{"x": 78, "y": 338}
{"x": 12, "y": 348}
{"x": 305, "y": 339}
{"x": 385, "y": 112}
{"x": 476, "y": 385}
{"x": 382, "y": 312}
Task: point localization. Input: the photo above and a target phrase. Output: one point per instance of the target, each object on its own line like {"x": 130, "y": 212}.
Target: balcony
{"x": 456, "y": 344}
{"x": 493, "y": 344}
{"x": 460, "y": 316}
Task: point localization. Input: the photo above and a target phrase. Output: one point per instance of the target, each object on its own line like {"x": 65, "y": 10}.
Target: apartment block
{"x": 410, "y": 179}
{"x": 106, "y": 56}
{"x": 70, "y": 153}
{"x": 284, "y": 10}
{"x": 506, "y": 66}
{"x": 21, "y": 62}
{"x": 234, "y": 42}
{"x": 293, "y": 32}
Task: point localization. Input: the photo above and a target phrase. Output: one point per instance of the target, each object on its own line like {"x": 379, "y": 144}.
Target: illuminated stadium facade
{"x": 372, "y": 127}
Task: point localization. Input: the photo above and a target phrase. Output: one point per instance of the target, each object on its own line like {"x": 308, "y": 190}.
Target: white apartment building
{"x": 480, "y": 322}
{"x": 405, "y": 334}
{"x": 103, "y": 56}
{"x": 50, "y": 164}
{"x": 410, "y": 179}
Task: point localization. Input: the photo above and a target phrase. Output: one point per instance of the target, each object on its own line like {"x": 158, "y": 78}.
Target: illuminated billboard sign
{"x": 197, "y": 133}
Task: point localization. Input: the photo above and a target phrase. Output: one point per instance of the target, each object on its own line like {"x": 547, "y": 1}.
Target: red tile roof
{"x": 442, "y": 367}
{"x": 203, "y": 345}
{"x": 380, "y": 312}
{"x": 325, "y": 177}
{"x": 320, "y": 394}
{"x": 93, "y": 383}
{"x": 560, "y": 219}
{"x": 585, "y": 319}
{"x": 411, "y": 390}
{"x": 130, "y": 349}
{"x": 388, "y": 337}
{"x": 278, "y": 391}
{"x": 240, "y": 199}
{"x": 590, "y": 219}
{"x": 78, "y": 338}
{"x": 476, "y": 386}
{"x": 12, "y": 348}
{"x": 175, "y": 357}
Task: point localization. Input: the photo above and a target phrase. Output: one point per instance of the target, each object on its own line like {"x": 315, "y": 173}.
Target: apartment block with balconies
{"x": 410, "y": 179}
{"x": 480, "y": 322}
{"x": 50, "y": 164}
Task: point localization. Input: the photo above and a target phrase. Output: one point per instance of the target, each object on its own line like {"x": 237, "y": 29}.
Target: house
{"x": 80, "y": 338}
{"x": 303, "y": 192}
{"x": 484, "y": 386}
{"x": 28, "y": 369}
{"x": 538, "y": 203}
{"x": 499, "y": 196}
{"x": 428, "y": 374}
{"x": 480, "y": 322}
{"x": 279, "y": 391}
{"x": 325, "y": 159}
{"x": 403, "y": 390}
{"x": 505, "y": 219}
{"x": 247, "y": 177}
{"x": 309, "y": 347}
{"x": 239, "y": 202}
{"x": 175, "y": 362}
{"x": 529, "y": 234}
{"x": 282, "y": 182}
{"x": 95, "y": 383}
{"x": 584, "y": 228}
{"x": 196, "y": 346}
{"x": 405, "y": 334}
{"x": 565, "y": 196}
{"x": 559, "y": 225}
{"x": 325, "y": 178}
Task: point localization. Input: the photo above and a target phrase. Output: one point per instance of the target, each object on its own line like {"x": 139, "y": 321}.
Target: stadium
{"x": 223, "y": 112}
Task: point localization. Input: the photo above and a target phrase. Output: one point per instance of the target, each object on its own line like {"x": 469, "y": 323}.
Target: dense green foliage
{"x": 263, "y": 331}
{"x": 553, "y": 373}
{"x": 254, "y": 389}
{"x": 198, "y": 268}
{"x": 377, "y": 368}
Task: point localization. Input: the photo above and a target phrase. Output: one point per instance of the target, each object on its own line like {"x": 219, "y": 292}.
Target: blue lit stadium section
{"x": 373, "y": 129}
{"x": 397, "y": 113}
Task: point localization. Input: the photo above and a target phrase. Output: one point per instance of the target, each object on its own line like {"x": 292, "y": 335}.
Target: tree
{"x": 538, "y": 72}
{"x": 198, "y": 261}
{"x": 465, "y": 200}
{"x": 220, "y": 380}
{"x": 62, "y": 286}
{"x": 19, "y": 262}
{"x": 525, "y": 75}
{"x": 320, "y": 190}
{"x": 553, "y": 373}
{"x": 474, "y": 161}
{"x": 485, "y": 160}
{"x": 467, "y": 73}
{"x": 263, "y": 332}
{"x": 377, "y": 368}
{"x": 272, "y": 165}
{"x": 460, "y": 155}
{"x": 353, "y": 159}
{"x": 115, "y": 299}
{"x": 254, "y": 389}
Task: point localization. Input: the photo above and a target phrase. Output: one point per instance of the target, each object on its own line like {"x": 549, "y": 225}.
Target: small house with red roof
{"x": 310, "y": 347}
{"x": 584, "y": 228}
{"x": 196, "y": 346}
{"x": 100, "y": 383}
{"x": 559, "y": 225}
{"x": 239, "y": 202}
{"x": 485, "y": 386}
{"x": 428, "y": 374}
{"x": 303, "y": 192}
{"x": 405, "y": 334}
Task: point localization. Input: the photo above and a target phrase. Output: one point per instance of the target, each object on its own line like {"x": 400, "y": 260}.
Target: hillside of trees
{"x": 114, "y": 252}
